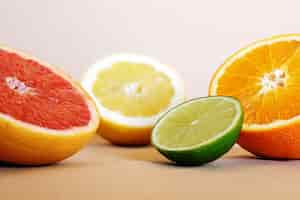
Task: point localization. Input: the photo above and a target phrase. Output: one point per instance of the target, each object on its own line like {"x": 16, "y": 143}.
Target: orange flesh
{"x": 32, "y": 93}
{"x": 266, "y": 95}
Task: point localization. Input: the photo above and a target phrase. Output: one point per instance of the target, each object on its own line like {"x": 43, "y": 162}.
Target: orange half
{"x": 265, "y": 77}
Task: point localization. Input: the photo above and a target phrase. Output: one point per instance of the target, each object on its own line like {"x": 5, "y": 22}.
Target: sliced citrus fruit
{"x": 44, "y": 116}
{"x": 198, "y": 131}
{"x": 131, "y": 92}
{"x": 265, "y": 77}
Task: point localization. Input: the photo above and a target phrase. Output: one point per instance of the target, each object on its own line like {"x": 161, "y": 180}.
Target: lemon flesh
{"x": 199, "y": 131}
{"x": 133, "y": 89}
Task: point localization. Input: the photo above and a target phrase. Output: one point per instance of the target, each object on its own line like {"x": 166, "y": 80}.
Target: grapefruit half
{"x": 45, "y": 116}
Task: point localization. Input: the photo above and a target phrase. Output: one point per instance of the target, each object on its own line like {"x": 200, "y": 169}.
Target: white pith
{"x": 267, "y": 84}
{"x": 219, "y": 135}
{"x": 17, "y": 85}
{"x": 273, "y": 80}
{"x": 91, "y": 76}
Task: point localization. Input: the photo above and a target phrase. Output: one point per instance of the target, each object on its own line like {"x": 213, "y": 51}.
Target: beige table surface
{"x": 103, "y": 171}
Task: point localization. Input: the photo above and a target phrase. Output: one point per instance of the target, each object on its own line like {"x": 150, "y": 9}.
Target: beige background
{"x": 194, "y": 37}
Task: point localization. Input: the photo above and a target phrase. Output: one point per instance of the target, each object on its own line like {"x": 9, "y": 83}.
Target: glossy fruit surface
{"x": 45, "y": 116}
{"x": 198, "y": 131}
{"x": 131, "y": 92}
{"x": 265, "y": 77}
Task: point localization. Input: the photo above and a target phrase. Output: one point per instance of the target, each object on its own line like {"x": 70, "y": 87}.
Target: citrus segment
{"x": 133, "y": 89}
{"x": 265, "y": 77}
{"x": 199, "y": 130}
{"x": 131, "y": 92}
{"x": 45, "y": 116}
{"x": 34, "y": 94}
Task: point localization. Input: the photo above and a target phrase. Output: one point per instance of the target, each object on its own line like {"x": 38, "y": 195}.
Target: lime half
{"x": 199, "y": 130}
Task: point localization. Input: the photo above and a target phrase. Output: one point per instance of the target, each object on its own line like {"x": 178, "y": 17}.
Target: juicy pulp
{"x": 33, "y": 93}
{"x": 133, "y": 89}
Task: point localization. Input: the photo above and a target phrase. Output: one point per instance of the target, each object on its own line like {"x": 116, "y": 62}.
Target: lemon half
{"x": 131, "y": 93}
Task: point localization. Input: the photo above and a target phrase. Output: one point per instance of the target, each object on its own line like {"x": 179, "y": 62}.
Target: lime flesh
{"x": 199, "y": 131}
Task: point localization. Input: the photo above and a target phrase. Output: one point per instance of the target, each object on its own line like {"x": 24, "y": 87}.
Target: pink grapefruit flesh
{"x": 45, "y": 116}
{"x": 35, "y": 94}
